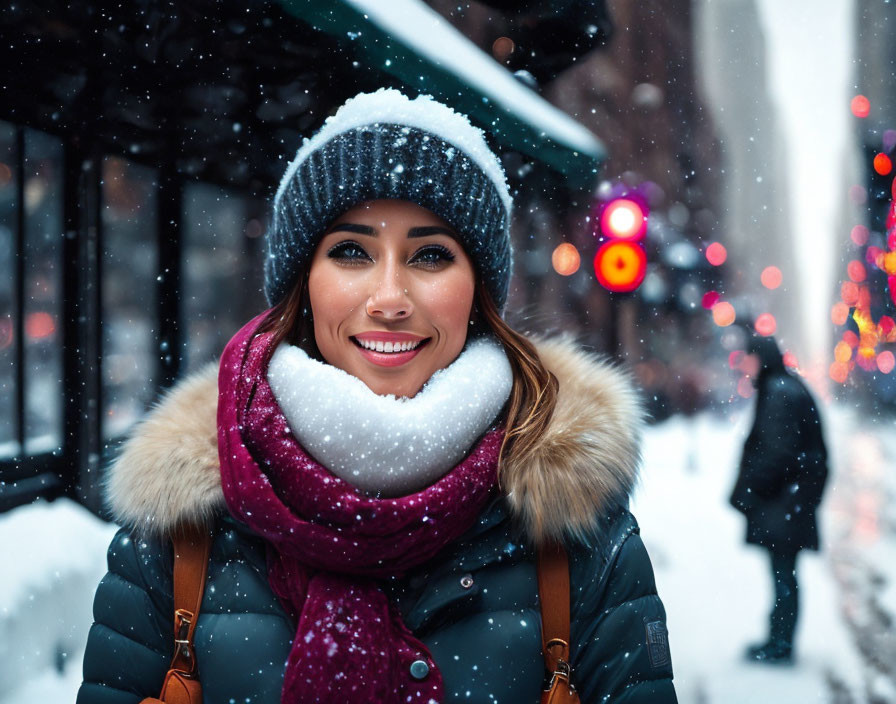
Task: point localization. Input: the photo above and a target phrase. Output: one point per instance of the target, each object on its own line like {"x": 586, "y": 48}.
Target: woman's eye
{"x": 432, "y": 256}
{"x": 348, "y": 252}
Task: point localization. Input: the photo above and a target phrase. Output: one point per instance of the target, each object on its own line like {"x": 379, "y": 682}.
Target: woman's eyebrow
{"x": 352, "y": 227}
{"x": 422, "y": 231}
{"x": 431, "y": 230}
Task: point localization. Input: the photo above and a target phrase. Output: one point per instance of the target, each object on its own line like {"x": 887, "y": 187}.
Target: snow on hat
{"x": 384, "y": 145}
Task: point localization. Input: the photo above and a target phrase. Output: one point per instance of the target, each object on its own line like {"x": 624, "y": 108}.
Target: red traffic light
{"x": 620, "y": 266}
{"x": 623, "y": 218}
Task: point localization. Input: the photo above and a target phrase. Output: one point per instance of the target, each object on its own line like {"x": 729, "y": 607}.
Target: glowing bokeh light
{"x": 857, "y": 194}
{"x": 860, "y": 106}
{"x": 839, "y": 313}
{"x": 710, "y": 298}
{"x": 888, "y": 263}
{"x": 716, "y": 254}
{"x": 723, "y": 314}
{"x": 886, "y": 361}
{"x": 745, "y": 387}
{"x": 839, "y": 372}
{"x": 766, "y": 324}
{"x": 735, "y": 358}
{"x": 849, "y": 293}
{"x": 39, "y": 325}
{"x": 565, "y": 259}
{"x": 623, "y": 218}
{"x": 850, "y": 338}
{"x": 882, "y": 164}
{"x": 842, "y": 352}
{"x": 887, "y": 327}
{"x": 620, "y": 266}
{"x": 864, "y": 300}
{"x": 856, "y": 270}
{"x": 874, "y": 256}
{"x": 790, "y": 360}
{"x": 859, "y": 235}
{"x": 6, "y": 333}
{"x": 771, "y": 277}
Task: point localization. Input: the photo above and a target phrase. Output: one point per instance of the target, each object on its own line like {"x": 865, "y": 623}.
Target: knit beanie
{"x": 384, "y": 145}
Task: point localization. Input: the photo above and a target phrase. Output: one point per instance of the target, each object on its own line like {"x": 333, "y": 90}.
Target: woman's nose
{"x": 389, "y": 299}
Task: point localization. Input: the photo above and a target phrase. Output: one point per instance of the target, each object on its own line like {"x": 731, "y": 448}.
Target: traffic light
{"x": 620, "y": 263}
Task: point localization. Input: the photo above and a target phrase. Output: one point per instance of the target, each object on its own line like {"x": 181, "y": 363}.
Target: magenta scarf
{"x": 328, "y": 544}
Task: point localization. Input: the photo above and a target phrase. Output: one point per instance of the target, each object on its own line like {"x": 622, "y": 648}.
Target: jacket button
{"x": 466, "y": 581}
{"x": 419, "y": 669}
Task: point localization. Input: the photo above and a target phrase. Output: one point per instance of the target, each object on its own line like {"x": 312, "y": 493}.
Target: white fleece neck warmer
{"x": 383, "y": 445}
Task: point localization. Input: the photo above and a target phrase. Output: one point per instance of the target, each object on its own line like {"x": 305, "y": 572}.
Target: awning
{"x": 412, "y": 42}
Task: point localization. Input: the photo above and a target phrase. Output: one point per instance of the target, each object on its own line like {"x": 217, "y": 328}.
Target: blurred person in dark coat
{"x": 783, "y": 472}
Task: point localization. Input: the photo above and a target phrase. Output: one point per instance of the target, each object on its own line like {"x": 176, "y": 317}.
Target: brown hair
{"x": 533, "y": 395}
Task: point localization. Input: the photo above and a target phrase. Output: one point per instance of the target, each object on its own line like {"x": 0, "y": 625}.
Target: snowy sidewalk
{"x": 718, "y": 591}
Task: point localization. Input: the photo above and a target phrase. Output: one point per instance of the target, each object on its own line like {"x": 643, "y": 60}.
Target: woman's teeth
{"x": 380, "y": 346}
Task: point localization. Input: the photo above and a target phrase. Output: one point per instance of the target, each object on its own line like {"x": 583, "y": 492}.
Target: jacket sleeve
{"x": 130, "y": 644}
{"x": 618, "y": 629}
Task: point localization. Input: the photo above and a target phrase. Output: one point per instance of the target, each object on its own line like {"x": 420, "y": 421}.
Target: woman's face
{"x": 391, "y": 293}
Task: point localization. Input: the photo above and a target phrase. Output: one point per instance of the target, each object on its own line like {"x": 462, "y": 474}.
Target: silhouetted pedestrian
{"x": 782, "y": 476}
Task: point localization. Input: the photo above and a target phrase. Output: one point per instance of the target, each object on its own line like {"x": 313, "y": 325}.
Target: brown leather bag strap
{"x": 191, "y": 551}
{"x": 192, "y": 547}
{"x": 553, "y": 593}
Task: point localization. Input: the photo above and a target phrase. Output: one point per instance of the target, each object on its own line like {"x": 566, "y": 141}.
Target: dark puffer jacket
{"x": 783, "y": 469}
{"x": 475, "y": 605}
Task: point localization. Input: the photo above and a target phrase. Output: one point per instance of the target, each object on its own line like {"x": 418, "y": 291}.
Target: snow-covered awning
{"x": 412, "y": 42}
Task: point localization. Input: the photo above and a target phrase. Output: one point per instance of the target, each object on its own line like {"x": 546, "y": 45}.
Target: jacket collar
{"x": 583, "y": 468}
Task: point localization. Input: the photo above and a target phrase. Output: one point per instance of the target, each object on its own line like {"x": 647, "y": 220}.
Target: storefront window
{"x": 8, "y": 207}
{"x": 222, "y": 269}
{"x": 42, "y": 304}
{"x": 130, "y": 268}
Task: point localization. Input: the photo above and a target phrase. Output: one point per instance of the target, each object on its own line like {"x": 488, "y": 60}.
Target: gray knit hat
{"x": 383, "y": 145}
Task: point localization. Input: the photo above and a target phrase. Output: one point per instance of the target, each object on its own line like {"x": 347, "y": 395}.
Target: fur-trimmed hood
{"x": 585, "y": 464}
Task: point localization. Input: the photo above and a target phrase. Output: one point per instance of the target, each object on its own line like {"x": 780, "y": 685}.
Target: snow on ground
{"x": 52, "y": 556}
{"x": 717, "y": 591}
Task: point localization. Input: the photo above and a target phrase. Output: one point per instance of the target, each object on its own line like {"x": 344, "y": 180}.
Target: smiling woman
{"x": 390, "y": 274}
{"x": 379, "y": 461}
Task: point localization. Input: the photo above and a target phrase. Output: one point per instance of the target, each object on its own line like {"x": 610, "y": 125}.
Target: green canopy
{"x": 412, "y": 42}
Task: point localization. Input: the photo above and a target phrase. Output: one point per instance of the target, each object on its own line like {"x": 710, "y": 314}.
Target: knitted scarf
{"x": 328, "y": 544}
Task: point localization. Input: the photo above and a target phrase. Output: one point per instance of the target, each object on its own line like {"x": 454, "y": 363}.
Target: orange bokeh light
{"x": 766, "y": 324}
{"x": 849, "y": 293}
{"x": 842, "y": 352}
{"x": 882, "y": 164}
{"x": 839, "y": 313}
{"x": 620, "y": 266}
{"x": 856, "y": 270}
{"x": 771, "y": 277}
{"x": 886, "y": 361}
{"x": 859, "y": 235}
{"x": 888, "y": 263}
{"x": 39, "y": 325}
{"x": 860, "y": 106}
{"x": 839, "y": 372}
{"x": 723, "y": 314}
{"x": 716, "y": 254}
{"x": 790, "y": 360}
{"x": 566, "y": 259}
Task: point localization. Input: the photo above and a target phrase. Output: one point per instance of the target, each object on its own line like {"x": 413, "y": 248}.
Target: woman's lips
{"x": 389, "y": 359}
